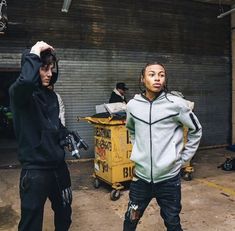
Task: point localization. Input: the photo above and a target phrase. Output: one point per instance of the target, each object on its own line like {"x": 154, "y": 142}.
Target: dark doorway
{"x": 6, "y": 123}
{"x": 8, "y": 144}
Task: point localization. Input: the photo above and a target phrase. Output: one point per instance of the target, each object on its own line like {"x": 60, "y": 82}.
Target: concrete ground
{"x": 208, "y": 200}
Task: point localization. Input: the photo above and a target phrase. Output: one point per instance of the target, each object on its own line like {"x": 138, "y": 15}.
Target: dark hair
{"x": 165, "y": 89}
{"x": 150, "y": 64}
{"x": 48, "y": 58}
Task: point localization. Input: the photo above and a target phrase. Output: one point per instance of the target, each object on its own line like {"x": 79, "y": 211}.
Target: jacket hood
{"x": 141, "y": 97}
{"x": 54, "y": 74}
{"x": 23, "y": 56}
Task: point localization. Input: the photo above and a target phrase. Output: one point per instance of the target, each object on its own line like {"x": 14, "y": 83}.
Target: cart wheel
{"x": 96, "y": 183}
{"x": 188, "y": 176}
{"x": 115, "y": 195}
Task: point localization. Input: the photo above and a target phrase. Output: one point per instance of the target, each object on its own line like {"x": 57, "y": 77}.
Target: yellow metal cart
{"x": 187, "y": 170}
{"x": 112, "y": 162}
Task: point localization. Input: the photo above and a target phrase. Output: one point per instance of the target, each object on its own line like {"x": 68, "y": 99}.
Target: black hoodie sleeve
{"x": 22, "y": 89}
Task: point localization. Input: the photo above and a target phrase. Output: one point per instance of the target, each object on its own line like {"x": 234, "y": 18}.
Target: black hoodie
{"x": 36, "y": 118}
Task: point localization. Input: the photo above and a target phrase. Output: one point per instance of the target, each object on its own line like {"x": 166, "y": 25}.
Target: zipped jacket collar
{"x": 142, "y": 97}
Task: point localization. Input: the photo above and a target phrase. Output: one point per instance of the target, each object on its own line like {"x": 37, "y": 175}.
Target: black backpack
{"x": 228, "y": 165}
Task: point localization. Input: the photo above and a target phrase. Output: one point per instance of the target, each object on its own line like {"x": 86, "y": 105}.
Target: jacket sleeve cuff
{"x": 33, "y": 51}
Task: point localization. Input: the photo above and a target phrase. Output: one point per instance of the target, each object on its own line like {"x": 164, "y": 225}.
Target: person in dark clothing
{"x": 39, "y": 131}
{"x": 118, "y": 93}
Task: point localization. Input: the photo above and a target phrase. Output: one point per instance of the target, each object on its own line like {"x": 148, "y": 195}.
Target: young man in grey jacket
{"x": 156, "y": 121}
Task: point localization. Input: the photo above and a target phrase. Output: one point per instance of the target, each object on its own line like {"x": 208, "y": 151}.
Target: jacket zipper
{"x": 150, "y": 130}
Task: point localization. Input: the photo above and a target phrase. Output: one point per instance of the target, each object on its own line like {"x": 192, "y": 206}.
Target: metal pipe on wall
{"x": 226, "y": 13}
{"x": 66, "y": 5}
{"x": 233, "y": 73}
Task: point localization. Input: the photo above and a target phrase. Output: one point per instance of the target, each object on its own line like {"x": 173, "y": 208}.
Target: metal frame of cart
{"x": 112, "y": 149}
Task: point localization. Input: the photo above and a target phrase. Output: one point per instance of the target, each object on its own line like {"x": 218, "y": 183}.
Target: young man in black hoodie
{"x": 39, "y": 131}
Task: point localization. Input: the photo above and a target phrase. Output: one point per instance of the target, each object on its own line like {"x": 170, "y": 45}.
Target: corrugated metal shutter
{"x": 84, "y": 84}
{"x": 101, "y": 42}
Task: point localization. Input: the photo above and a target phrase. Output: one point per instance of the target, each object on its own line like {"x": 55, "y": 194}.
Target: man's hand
{"x": 39, "y": 47}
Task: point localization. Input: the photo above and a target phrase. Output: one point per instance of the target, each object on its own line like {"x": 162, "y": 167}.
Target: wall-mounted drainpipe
{"x": 233, "y": 73}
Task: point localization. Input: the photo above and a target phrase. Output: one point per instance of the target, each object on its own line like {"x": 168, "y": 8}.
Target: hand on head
{"x": 39, "y": 47}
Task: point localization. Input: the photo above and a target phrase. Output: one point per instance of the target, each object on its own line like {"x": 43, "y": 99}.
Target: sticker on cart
{"x": 103, "y": 144}
{"x": 97, "y": 168}
{"x": 102, "y": 132}
{"x": 128, "y": 171}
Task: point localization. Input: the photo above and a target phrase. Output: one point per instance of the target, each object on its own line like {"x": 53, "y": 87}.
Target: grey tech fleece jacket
{"x": 157, "y": 130}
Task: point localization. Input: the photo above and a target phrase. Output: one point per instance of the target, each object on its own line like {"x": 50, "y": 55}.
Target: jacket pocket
{"x": 176, "y": 153}
{"x": 49, "y": 146}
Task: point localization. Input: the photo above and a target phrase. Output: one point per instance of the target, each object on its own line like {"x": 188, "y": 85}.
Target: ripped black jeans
{"x": 38, "y": 185}
{"x": 168, "y": 197}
